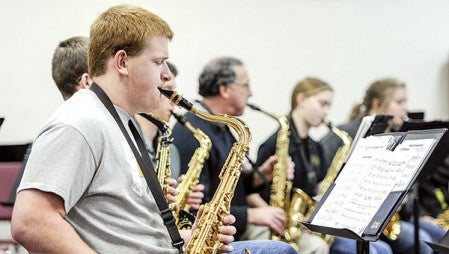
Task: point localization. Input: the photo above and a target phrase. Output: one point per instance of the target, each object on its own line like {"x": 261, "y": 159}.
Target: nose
{"x": 166, "y": 76}
{"x": 326, "y": 110}
{"x": 250, "y": 92}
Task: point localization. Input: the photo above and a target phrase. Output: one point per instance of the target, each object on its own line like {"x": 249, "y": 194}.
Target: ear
{"x": 300, "y": 97}
{"x": 223, "y": 91}
{"x": 375, "y": 105}
{"x": 84, "y": 82}
{"x": 121, "y": 62}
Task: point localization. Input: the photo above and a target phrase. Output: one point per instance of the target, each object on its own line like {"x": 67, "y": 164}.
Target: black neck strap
{"x": 144, "y": 161}
{"x": 304, "y": 150}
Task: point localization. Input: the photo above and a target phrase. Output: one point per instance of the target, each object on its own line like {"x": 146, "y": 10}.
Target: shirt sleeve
{"x": 61, "y": 162}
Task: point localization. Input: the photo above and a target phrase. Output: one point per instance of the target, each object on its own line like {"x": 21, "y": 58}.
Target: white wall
{"x": 348, "y": 43}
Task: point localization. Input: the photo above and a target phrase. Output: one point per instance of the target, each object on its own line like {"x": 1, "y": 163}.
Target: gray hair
{"x": 216, "y": 73}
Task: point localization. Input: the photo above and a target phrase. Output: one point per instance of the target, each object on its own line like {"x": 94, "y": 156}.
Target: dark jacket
{"x": 306, "y": 153}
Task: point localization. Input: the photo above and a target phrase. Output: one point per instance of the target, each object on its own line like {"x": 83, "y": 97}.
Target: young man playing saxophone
{"x": 82, "y": 191}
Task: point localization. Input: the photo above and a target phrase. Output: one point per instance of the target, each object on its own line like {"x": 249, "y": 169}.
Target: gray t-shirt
{"x": 82, "y": 156}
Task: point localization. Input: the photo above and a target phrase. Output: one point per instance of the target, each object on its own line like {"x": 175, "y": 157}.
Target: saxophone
{"x": 281, "y": 187}
{"x": 442, "y": 219}
{"x": 184, "y": 219}
{"x": 205, "y": 238}
{"x": 163, "y": 161}
{"x": 338, "y": 160}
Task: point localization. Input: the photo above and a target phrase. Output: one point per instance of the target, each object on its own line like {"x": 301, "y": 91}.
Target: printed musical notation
{"x": 370, "y": 174}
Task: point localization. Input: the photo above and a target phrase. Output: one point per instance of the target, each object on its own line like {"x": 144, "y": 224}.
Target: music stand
{"x": 387, "y": 206}
{"x": 437, "y": 157}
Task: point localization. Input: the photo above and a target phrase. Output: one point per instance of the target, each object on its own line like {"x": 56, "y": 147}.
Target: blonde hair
{"x": 122, "y": 27}
{"x": 383, "y": 90}
{"x": 309, "y": 87}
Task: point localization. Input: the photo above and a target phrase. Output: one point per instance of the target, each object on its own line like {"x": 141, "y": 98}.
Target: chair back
{"x": 8, "y": 174}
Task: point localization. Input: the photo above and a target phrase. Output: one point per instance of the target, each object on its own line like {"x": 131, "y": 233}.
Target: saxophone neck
{"x": 238, "y": 125}
{"x": 257, "y": 108}
{"x": 197, "y": 133}
{"x": 160, "y": 124}
{"x": 343, "y": 135}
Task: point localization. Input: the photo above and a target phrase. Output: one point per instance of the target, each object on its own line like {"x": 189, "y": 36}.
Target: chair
{"x": 8, "y": 174}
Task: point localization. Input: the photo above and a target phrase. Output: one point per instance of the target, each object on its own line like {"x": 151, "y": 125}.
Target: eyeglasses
{"x": 241, "y": 84}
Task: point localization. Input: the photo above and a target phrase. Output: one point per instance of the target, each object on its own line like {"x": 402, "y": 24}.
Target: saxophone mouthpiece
{"x": 253, "y": 107}
{"x": 257, "y": 108}
{"x": 180, "y": 118}
{"x": 176, "y": 98}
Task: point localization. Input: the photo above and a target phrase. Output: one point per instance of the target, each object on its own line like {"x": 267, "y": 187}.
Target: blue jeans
{"x": 349, "y": 246}
{"x": 262, "y": 247}
{"x": 435, "y": 232}
{"x": 406, "y": 240}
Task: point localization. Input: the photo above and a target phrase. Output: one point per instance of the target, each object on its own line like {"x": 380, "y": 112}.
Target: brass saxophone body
{"x": 205, "y": 238}
{"x": 281, "y": 187}
{"x": 338, "y": 160}
{"x": 163, "y": 160}
{"x": 191, "y": 178}
{"x": 393, "y": 228}
{"x": 442, "y": 219}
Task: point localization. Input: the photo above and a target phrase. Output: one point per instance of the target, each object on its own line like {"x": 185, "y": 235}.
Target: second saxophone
{"x": 205, "y": 239}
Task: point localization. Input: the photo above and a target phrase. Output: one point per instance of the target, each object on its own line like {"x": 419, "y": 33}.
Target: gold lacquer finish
{"x": 281, "y": 187}
{"x": 338, "y": 160}
{"x": 443, "y": 219}
{"x": 191, "y": 178}
{"x": 163, "y": 161}
{"x": 205, "y": 237}
{"x": 393, "y": 228}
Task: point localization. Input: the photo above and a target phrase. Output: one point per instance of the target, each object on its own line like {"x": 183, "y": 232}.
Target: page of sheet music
{"x": 366, "y": 150}
{"x": 414, "y": 152}
{"x": 368, "y": 177}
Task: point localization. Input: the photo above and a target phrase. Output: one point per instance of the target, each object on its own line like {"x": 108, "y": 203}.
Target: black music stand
{"x": 389, "y": 205}
{"x": 437, "y": 157}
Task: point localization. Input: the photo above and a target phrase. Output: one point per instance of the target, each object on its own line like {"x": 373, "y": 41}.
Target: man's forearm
{"x": 38, "y": 224}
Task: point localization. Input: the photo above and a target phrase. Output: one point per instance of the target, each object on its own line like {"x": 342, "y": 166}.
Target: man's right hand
{"x": 273, "y": 217}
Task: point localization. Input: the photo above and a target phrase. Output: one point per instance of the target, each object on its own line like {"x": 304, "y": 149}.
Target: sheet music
{"x": 352, "y": 205}
{"x": 365, "y": 151}
{"x": 414, "y": 151}
{"x": 371, "y": 173}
